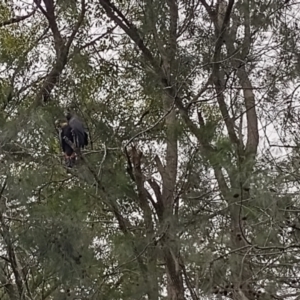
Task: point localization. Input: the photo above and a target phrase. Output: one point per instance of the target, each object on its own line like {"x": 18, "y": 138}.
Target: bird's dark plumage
{"x": 65, "y": 138}
{"x": 66, "y": 132}
{"x": 72, "y": 137}
{"x": 79, "y": 133}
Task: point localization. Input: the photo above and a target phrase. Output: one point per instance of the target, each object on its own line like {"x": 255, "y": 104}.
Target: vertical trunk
{"x": 150, "y": 272}
{"x": 169, "y": 180}
{"x": 174, "y": 273}
{"x": 241, "y": 271}
{"x": 170, "y": 247}
{"x": 245, "y": 155}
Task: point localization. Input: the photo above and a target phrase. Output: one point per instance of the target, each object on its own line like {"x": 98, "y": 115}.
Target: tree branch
{"x": 132, "y": 32}
{"x": 62, "y": 49}
{"x": 219, "y": 81}
{"x": 159, "y": 206}
{"x": 173, "y": 10}
{"x": 18, "y": 19}
{"x": 201, "y": 91}
{"x": 14, "y": 262}
{"x": 50, "y": 15}
{"x": 78, "y": 24}
{"x": 252, "y": 123}
{"x": 129, "y": 29}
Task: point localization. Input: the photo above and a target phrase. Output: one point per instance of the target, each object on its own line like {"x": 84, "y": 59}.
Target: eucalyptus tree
{"x": 227, "y": 47}
{"x": 179, "y": 195}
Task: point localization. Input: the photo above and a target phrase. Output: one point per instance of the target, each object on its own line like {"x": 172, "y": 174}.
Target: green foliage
{"x": 107, "y": 229}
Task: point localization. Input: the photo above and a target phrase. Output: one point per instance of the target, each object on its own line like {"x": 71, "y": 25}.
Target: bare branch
{"x": 18, "y": 19}
{"x": 62, "y": 49}
{"x": 219, "y": 81}
{"x": 188, "y": 19}
{"x": 160, "y": 166}
{"x": 91, "y": 43}
{"x": 208, "y": 9}
{"x": 78, "y": 24}
{"x": 50, "y": 15}
{"x": 159, "y": 204}
{"x": 129, "y": 29}
{"x": 188, "y": 281}
{"x": 252, "y": 122}
{"x": 201, "y": 91}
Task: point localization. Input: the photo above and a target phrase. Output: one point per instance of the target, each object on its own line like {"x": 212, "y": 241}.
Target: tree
{"x": 180, "y": 195}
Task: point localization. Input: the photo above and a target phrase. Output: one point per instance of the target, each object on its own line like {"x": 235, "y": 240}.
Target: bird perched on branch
{"x": 78, "y": 131}
{"x": 72, "y": 137}
{"x": 66, "y": 141}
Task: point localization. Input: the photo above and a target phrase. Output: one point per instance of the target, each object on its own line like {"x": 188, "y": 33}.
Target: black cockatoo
{"x": 65, "y": 131}
{"x": 78, "y": 131}
{"x": 72, "y": 137}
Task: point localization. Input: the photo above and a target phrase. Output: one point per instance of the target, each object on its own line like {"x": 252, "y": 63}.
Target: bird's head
{"x": 60, "y": 123}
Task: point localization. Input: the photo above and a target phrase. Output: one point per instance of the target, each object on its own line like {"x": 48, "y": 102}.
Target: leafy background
{"x": 189, "y": 188}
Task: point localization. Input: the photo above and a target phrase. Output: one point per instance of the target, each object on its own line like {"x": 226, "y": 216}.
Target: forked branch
{"x": 18, "y": 18}
{"x": 62, "y": 49}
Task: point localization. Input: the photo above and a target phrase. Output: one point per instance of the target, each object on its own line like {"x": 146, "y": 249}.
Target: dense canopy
{"x": 189, "y": 186}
